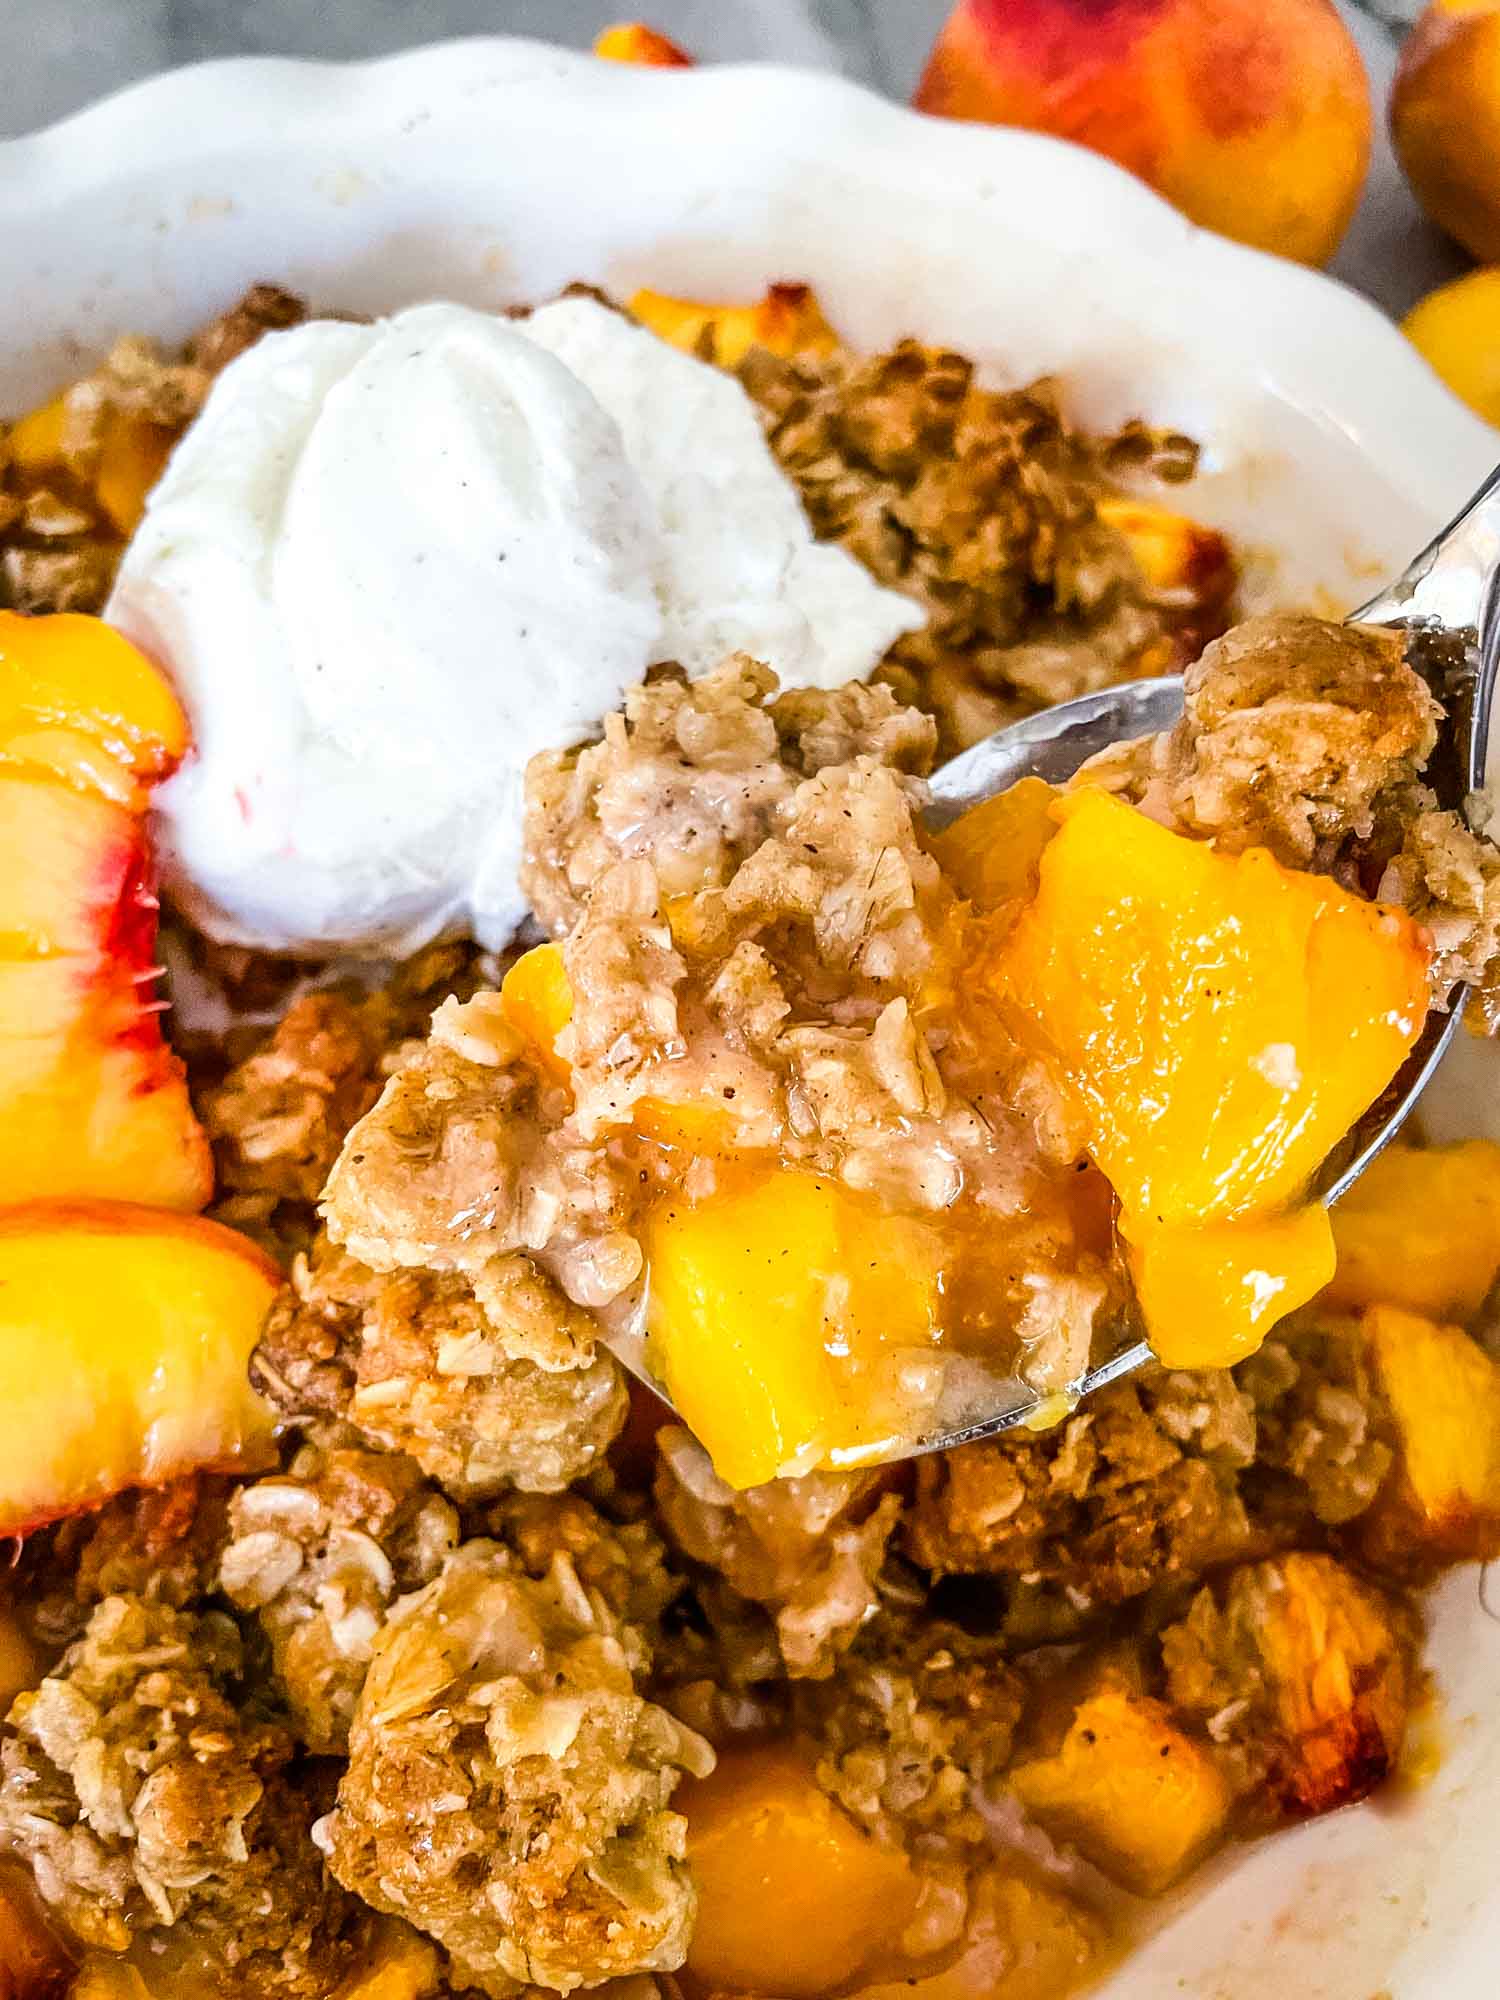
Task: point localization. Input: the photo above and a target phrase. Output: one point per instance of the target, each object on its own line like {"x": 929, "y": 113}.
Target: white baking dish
{"x": 495, "y": 171}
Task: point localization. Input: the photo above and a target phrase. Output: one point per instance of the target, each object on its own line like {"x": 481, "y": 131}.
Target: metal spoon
{"x": 1447, "y": 603}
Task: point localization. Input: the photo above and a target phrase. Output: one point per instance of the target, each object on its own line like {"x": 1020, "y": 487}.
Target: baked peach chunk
{"x": 784, "y": 1310}
{"x": 1026, "y": 1939}
{"x": 1217, "y": 1022}
{"x": 92, "y": 1102}
{"x": 125, "y": 1335}
{"x": 1421, "y": 1229}
{"x": 131, "y": 456}
{"x": 1441, "y": 1501}
{"x": 793, "y": 1897}
{"x": 1136, "y": 1795}
{"x": 787, "y": 321}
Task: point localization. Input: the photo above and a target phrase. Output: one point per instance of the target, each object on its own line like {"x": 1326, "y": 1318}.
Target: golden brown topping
{"x": 145, "y": 1800}
{"x": 507, "y": 1788}
{"x": 319, "y": 1555}
{"x": 413, "y": 1361}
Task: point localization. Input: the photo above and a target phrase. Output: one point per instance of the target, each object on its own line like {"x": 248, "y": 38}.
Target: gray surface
{"x": 59, "y": 54}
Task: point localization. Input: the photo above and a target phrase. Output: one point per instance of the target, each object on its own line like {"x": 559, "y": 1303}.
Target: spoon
{"x": 1448, "y": 604}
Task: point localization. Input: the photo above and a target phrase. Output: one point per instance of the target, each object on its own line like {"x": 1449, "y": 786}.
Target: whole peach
{"x": 1252, "y": 116}
{"x": 1457, "y": 328}
{"x": 1445, "y": 119}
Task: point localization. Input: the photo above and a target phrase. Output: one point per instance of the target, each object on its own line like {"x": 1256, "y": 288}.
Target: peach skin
{"x": 1252, "y": 116}
{"x": 1445, "y": 120}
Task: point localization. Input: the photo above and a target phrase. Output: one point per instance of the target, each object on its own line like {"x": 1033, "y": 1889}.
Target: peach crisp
{"x": 371, "y": 1634}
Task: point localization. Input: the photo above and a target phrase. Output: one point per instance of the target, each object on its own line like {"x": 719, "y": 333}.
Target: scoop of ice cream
{"x": 389, "y": 563}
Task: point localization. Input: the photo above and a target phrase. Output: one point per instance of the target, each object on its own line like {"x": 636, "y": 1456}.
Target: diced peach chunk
{"x": 1441, "y": 1502}
{"x": 1217, "y": 1290}
{"x": 1217, "y": 1022}
{"x": 780, "y": 1310}
{"x": 793, "y": 1897}
{"x": 1173, "y": 551}
{"x": 991, "y": 854}
{"x": 101, "y": 1978}
{"x": 132, "y": 454}
{"x": 399, "y": 1964}
{"x": 1420, "y": 1228}
{"x": 125, "y": 1334}
{"x": 787, "y": 321}
{"x": 537, "y": 1001}
{"x": 92, "y": 1102}
{"x": 634, "y": 42}
{"x": 1025, "y": 1940}
{"x": 132, "y": 457}
{"x": 1136, "y": 1795}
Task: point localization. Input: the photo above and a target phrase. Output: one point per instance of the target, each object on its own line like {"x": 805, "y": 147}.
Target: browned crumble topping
{"x": 58, "y": 544}
{"x": 984, "y": 506}
{"x": 913, "y": 1731}
{"x": 808, "y": 1549}
{"x": 278, "y": 1113}
{"x": 161, "y": 1544}
{"x": 413, "y": 1361}
{"x": 507, "y": 1788}
{"x": 1320, "y": 1427}
{"x": 147, "y": 1799}
{"x": 319, "y": 1554}
{"x": 1138, "y": 1488}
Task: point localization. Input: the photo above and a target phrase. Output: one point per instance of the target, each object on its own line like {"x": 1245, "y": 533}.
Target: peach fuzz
{"x": 1252, "y": 116}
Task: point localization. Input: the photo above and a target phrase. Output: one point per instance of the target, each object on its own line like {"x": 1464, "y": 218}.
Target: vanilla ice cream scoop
{"x": 389, "y": 563}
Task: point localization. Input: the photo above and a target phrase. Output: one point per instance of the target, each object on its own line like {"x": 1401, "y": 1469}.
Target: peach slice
{"x": 92, "y": 1102}
{"x": 1253, "y": 116}
{"x": 793, "y": 1897}
{"x": 1217, "y": 1023}
{"x": 125, "y": 1334}
{"x": 634, "y": 42}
